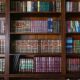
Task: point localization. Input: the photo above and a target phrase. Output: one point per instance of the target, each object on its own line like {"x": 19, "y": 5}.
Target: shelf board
{"x": 29, "y": 33}
{"x": 37, "y": 75}
{"x": 38, "y": 54}
{"x": 74, "y": 33}
{"x": 1, "y": 75}
{"x": 2, "y": 55}
{"x": 2, "y": 33}
{"x": 73, "y": 74}
{"x": 35, "y": 13}
{"x": 2, "y": 12}
{"x": 73, "y": 13}
{"x": 73, "y": 54}
{"x": 14, "y": 12}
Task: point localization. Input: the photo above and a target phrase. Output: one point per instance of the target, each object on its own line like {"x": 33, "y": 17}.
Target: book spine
{"x": 29, "y": 6}
{"x": 50, "y": 24}
{"x": 79, "y": 6}
{"x": 38, "y": 6}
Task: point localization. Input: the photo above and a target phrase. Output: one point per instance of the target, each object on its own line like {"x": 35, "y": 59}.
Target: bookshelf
{"x": 39, "y": 39}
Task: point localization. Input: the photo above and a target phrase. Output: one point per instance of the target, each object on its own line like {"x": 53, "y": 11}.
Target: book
{"x": 58, "y": 5}
{"x": 2, "y": 25}
{"x": 76, "y": 46}
{"x": 69, "y": 45}
{"x": 2, "y": 44}
{"x": 29, "y": 6}
{"x": 2, "y": 65}
{"x": 2, "y": 6}
{"x": 50, "y": 24}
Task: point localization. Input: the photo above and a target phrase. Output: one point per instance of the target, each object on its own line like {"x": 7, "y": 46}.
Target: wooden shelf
{"x": 73, "y": 12}
{"x": 73, "y": 75}
{"x": 2, "y": 14}
{"x": 1, "y": 75}
{"x": 73, "y": 55}
{"x": 14, "y": 12}
{"x": 37, "y": 75}
{"x": 2, "y": 33}
{"x": 74, "y": 33}
{"x": 41, "y": 14}
{"x": 2, "y": 55}
{"x": 38, "y": 54}
{"x": 72, "y": 15}
{"x": 29, "y": 33}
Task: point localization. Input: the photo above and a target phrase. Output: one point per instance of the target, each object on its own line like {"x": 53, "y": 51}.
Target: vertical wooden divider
{"x": 7, "y": 36}
{"x": 63, "y": 23}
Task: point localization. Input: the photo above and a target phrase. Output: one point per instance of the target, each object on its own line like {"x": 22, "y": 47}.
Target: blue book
{"x": 77, "y": 25}
{"x": 69, "y": 45}
{"x": 69, "y": 40}
{"x": 69, "y": 49}
{"x": 50, "y": 24}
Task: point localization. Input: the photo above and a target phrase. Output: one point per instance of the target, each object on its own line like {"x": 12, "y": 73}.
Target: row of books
{"x": 72, "y": 46}
{"x": 2, "y": 65}
{"x": 36, "y": 6}
{"x": 37, "y": 46}
{"x": 73, "y": 64}
{"x": 2, "y": 24}
{"x": 73, "y": 26}
{"x": 72, "y": 6}
{"x": 26, "y": 65}
{"x": 40, "y": 64}
{"x": 36, "y": 25}
{"x": 2, "y": 5}
{"x": 2, "y": 44}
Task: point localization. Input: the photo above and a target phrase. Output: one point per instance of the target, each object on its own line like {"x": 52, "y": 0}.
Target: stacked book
{"x": 2, "y": 65}
{"x": 37, "y": 46}
{"x": 36, "y": 25}
{"x": 48, "y": 64}
{"x": 26, "y": 65}
{"x": 72, "y": 6}
{"x": 2, "y": 25}
{"x": 2, "y": 44}
{"x": 36, "y": 6}
{"x": 73, "y": 64}
{"x": 2, "y": 5}
{"x": 73, "y": 26}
